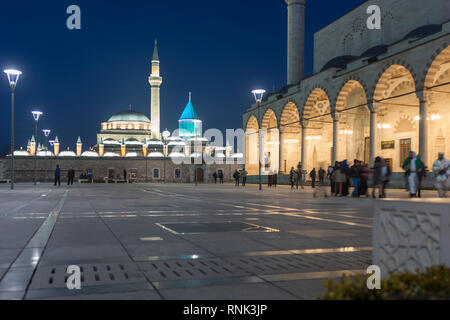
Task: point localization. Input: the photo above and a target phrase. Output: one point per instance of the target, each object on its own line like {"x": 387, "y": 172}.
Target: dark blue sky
{"x": 219, "y": 50}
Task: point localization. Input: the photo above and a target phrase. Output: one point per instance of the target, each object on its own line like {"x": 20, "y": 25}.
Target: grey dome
{"x": 423, "y": 31}
{"x": 339, "y": 62}
{"x": 129, "y": 116}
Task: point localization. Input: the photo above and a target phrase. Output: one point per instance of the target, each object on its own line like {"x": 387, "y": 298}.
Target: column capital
{"x": 422, "y": 95}
{"x": 336, "y": 116}
{"x": 303, "y": 123}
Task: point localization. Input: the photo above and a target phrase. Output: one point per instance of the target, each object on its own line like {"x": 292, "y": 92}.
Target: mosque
{"x": 135, "y": 142}
{"x": 373, "y": 92}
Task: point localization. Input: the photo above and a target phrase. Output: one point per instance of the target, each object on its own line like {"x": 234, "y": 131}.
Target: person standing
{"x": 292, "y": 174}
{"x": 355, "y": 174}
{"x": 244, "y": 174}
{"x": 313, "y": 175}
{"x": 125, "y": 175}
{"x": 441, "y": 171}
{"x": 215, "y": 177}
{"x": 330, "y": 176}
{"x": 420, "y": 175}
{"x": 221, "y": 177}
{"x": 364, "y": 182}
{"x": 70, "y": 177}
{"x": 236, "y": 178}
{"x": 321, "y": 176}
{"x": 339, "y": 178}
{"x": 57, "y": 175}
{"x": 412, "y": 165}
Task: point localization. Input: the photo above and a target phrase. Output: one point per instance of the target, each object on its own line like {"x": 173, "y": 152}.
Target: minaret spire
{"x": 190, "y": 96}
{"x": 155, "y": 52}
{"x": 155, "y": 81}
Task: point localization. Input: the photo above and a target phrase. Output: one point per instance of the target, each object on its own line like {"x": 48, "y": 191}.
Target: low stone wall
{"x": 411, "y": 235}
{"x": 100, "y": 167}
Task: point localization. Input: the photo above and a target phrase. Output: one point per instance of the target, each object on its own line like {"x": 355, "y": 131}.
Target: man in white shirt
{"x": 441, "y": 170}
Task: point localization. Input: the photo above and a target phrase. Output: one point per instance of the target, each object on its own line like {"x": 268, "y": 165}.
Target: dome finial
{"x": 190, "y": 96}
{"x": 155, "y": 52}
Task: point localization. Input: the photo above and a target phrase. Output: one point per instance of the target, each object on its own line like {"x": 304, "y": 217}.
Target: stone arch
{"x": 252, "y": 145}
{"x": 270, "y": 148}
{"x": 387, "y": 71}
{"x": 394, "y": 98}
{"x": 439, "y": 61}
{"x": 354, "y": 121}
{"x": 437, "y": 95}
{"x": 319, "y": 128}
{"x": 290, "y": 131}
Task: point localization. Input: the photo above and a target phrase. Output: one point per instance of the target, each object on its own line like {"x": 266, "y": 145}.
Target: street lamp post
{"x": 258, "y": 94}
{"x": 13, "y": 78}
{"x": 36, "y": 116}
{"x": 46, "y": 134}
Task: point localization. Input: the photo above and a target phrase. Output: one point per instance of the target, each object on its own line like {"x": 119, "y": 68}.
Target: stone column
{"x": 280, "y": 151}
{"x": 336, "y": 117}
{"x": 296, "y": 40}
{"x": 423, "y": 130}
{"x": 304, "y": 146}
{"x": 373, "y": 132}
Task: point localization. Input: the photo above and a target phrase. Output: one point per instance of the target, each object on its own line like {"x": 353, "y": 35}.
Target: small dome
{"x": 45, "y": 154}
{"x": 375, "y": 51}
{"x": 110, "y": 154}
{"x": 89, "y": 154}
{"x": 21, "y": 153}
{"x": 133, "y": 141}
{"x": 110, "y": 141}
{"x": 155, "y": 155}
{"x": 423, "y": 31}
{"x": 176, "y": 155}
{"x": 67, "y": 154}
{"x": 154, "y": 143}
{"x": 339, "y": 62}
{"x": 132, "y": 155}
{"x": 129, "y": 116}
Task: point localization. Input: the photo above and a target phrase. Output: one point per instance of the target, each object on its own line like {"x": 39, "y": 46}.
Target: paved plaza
{"x": 169, "y": 241}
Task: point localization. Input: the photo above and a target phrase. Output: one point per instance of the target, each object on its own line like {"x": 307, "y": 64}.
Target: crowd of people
{"x": 342, "y": 177}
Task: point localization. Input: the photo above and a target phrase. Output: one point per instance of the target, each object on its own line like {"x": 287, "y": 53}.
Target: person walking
{"x": 292, "y": 179}
{"x": 441, "y": 171}
{"x": 385, "y": 177}
{"x": 221, "y": 177}
{"x": 313, "y": 175}
{"x": 215, "y": 177}
{"x": 377, "y": 178}
{"x": 321, "y": 176}
{"x": 300, "y": 174}
{"x": 275, "y": 178}
{"x": 346, "y": 169}
{"x": 413, "y": 165}
{"x": 244, "y": 174}
{"x": 70, "y": 177}
{"x": 57, "y": 175}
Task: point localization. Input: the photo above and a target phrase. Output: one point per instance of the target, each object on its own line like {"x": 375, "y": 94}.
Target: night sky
{"x": 219, "y": 50}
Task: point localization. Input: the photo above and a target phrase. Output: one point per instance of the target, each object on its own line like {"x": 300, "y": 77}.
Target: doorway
{"x": 405, "y": 148}
{"x": 199, "y": 175}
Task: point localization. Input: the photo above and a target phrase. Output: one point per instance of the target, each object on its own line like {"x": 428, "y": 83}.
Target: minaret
{"x": 155, "y": 82}
{"x": 296, "y": 41}
{"x": 79, "y": 146}
{"x": 56, "y": 146}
